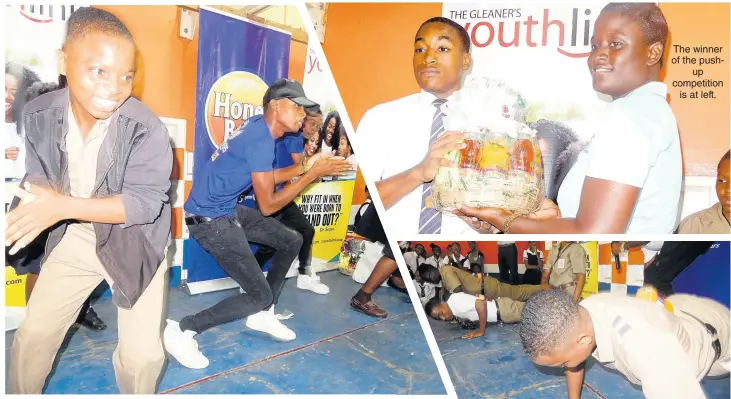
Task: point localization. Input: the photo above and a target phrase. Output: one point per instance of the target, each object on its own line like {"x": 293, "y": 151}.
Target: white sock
{"x": 491, "y": 312}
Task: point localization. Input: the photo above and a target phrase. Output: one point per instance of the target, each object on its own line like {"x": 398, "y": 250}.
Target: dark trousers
{"x": 532, "y": 276}
{"x": 673, "y": 258}
{"x": 292, "y": 217}
{"x": 507, "y": 261}
{"x": 227, "y": 240}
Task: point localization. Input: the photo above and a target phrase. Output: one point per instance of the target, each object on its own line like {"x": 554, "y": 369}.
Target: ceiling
{"x": 288, "y": 16}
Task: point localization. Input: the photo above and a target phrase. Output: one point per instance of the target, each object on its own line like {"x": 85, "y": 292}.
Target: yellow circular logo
{"x": 233, "y": 98}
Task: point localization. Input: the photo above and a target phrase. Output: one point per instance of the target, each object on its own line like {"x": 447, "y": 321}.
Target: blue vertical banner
{"x": 237, "y": 61}
{"x": 708, "y": 276}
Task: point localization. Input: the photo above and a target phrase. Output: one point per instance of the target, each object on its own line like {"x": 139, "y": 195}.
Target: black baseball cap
{"x": 313, "y": 110}
{"x": 287, "y": 88}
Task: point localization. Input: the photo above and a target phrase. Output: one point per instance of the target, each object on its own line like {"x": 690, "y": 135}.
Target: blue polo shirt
{"x": 290, "y": 143}
{"x": 228, "y": 172}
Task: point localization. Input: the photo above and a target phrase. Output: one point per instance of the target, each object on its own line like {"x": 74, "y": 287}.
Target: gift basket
{"x": 351, "y": 252}
{"x": 501, "y": 165}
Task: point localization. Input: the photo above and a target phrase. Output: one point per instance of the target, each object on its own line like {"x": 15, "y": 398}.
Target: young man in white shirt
{"x": 441, "y": 58}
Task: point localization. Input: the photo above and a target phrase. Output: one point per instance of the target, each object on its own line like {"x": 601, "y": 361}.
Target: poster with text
{"x": 327, "y": 206}
{"x": 591, "y": 286}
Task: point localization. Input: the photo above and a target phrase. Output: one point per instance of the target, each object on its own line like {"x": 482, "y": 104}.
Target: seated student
{"x": 455, "y": 258}
{"x": 371, "y": 228}
{"x": 667, "y": 353}
{"x": 714, "y": 220}
{"x": 476, "y": 258}
{"x": 426, "y": 280}
{"x": 436, "y": 256}
{"x": 416, "y": 257}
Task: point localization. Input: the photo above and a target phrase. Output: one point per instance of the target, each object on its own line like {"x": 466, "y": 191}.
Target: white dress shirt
{"x": 636, "y": 144}
{"x": 391, "y": 138}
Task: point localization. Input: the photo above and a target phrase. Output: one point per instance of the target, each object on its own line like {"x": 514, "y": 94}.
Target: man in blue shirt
{"x": 224, "y": 229}
{"x": 289, "y": 158}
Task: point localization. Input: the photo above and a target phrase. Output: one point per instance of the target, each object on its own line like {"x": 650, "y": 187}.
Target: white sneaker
{"x": 183, "y": 347}
{"x": 312, "y": 283}
{"x": 267, "y": 322}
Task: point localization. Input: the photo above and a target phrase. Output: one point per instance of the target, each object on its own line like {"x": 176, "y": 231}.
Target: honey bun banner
{"x": 237, "y": 61}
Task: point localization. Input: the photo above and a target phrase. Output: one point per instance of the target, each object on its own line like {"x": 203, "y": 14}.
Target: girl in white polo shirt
{"x": 629, "y": 178}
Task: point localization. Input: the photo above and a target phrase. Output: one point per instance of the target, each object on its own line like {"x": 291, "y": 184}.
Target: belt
{"x": 193, "y": 219}
{"x": 564, "y": 286}
{"x": 716, "y": 344}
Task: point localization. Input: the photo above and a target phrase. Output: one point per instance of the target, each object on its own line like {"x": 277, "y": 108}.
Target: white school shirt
{"x": 428, "y": 290}
{"x": 463, "y": 306}
{"x": 651, "y": 249}
{"x": 391, "y": 138}
{"x": 434, "y": 261}
{"x": 538, "y": 253}
{"x": 637, "y": 144}
{"x": 447, "y": 259}
{"x": 14, "y": 169}
{"x": 413, "y": 260}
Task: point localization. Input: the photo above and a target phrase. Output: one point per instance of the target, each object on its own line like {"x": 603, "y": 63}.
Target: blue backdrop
{"x": 709, "y": 275}
{"x": 227, "y": 44}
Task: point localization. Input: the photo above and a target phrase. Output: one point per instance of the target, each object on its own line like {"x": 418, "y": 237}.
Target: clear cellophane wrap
{"x": 501, "y": 166}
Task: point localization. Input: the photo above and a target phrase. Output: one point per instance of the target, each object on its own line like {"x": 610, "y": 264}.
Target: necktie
{"x": 430, "y": 221}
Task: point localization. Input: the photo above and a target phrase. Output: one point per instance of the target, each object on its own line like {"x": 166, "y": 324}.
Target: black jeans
{"x": 227, "y": 240}
{"x": 673, "y": 258}
{"x": 292, "y": 217}
{"x": 507, "y": 261}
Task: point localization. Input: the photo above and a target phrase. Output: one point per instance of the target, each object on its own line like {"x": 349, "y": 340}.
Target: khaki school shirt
{"x": 565, "y": 268}
{"x": 707, "y": 221}
{"x": 666, "y": 353}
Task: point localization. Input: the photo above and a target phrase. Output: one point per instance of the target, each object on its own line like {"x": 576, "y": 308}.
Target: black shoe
{"x": 92, "y": 321}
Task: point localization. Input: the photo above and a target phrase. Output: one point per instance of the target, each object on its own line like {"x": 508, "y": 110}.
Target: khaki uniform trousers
{"x": 68, "y": 276}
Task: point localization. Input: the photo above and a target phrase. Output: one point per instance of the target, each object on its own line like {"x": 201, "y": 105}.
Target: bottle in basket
{"x": 522, "y": 159}
{"x": 495, "y": 156}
